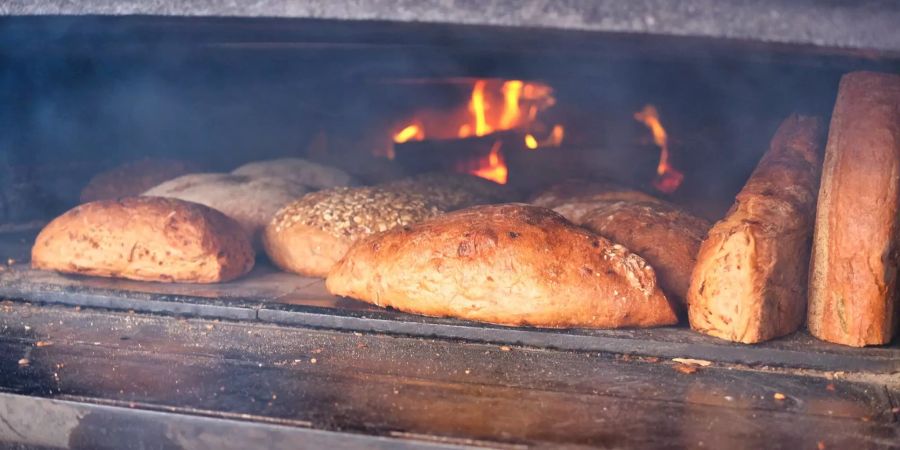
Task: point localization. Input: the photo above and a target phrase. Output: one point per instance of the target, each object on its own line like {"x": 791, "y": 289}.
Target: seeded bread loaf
{"x": 298, "y": 170}
{"x": 509, "y": 264}
{"x": 251, "y": 201}
{"x": 575, "y": 198}
{"x": 451, "y": 191}
{"x": 853, "y": 280}
{"x": 145, "y": 238}
{"x": 665, "y": 236}
{"x": 132, "y": 178}
{"x": 749, "y": 284}
{"x": 309, "y": 235}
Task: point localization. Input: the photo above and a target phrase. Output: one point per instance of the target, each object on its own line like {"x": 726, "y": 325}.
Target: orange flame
{"x": 410, "y": 132}
{"x": 668, "y": 179}
{"x": 495, "y": 169}
{"x": 531, "y": 142}
{"x": 478, "y": 107}
{"x": 512, "y": 90}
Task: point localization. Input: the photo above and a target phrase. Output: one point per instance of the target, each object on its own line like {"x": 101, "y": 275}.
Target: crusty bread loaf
{"x": 251, "y": 201}
{"x": 853, "y": 278}
{"x": 575, "y": 198}
{"x": 145, "y": 238}
{"x": 749, "y": 284}
{"x": 452, "y": 191}
{"x": 309, "y": 235}
{"x": 132, "y": 178}
{"x": 307, "y": 173}
{"x": 509, "y": 264}
{"x": 665, "y": 236}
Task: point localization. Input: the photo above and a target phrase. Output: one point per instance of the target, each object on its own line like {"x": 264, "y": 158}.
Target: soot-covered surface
{"x": 235, "y": 384}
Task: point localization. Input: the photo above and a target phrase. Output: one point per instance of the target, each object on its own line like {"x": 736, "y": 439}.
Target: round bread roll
{"x": 132, "y": 178}
{"x": 251, "y": 201}
{"x": 145, "y": 238}
{"x": 575, "y": 198}
{"x": 309, "y": 235}
{"x": 507, "y": 264}
{"x": 664, "y": 235}
{"x": 451, "y": 191}
{"x": 307, "y": 173}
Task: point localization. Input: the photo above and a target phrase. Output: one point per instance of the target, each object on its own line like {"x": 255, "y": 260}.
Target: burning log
{"x": 455, "y": 154}
{"x": 504, "y": 157}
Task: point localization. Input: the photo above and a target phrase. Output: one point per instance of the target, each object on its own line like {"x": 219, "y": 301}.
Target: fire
{"x": 512, "y": 90}
{"x": 493, "y": 105}
{"x": 668, "y": 179}
{"x": 495, "y": 169}
{"x": 413, "y": 131}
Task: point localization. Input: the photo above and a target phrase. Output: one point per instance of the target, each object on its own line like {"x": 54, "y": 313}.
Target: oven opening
{"x": 670, "y": 204}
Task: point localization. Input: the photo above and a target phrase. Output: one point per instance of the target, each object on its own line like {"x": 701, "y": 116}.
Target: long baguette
{"x": 853, "y": 292}
{"x": 750, "y": 279}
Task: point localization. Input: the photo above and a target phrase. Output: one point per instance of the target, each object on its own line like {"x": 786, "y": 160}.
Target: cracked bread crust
{"x": 749, "y": 284}
{"x": 664, "y": 235}
{"x": 510, "y": 264}
{"x": 147, "y": 239}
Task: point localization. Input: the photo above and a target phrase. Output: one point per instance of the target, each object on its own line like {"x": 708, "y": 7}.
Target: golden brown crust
{"x": 145, "y": 238}
{"x": 666, "y": 236}
{"x": 452, "y": 191}
{"x": 309, "y": 235}
{"x": 574, "y": 199}
{"x": 132, "y": 178}
{"x": 853, "y": 292}
{"x": 749, "y": 282}
{"x": 508, "y": 264}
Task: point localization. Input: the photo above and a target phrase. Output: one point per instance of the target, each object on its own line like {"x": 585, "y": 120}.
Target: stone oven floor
{"x": 274, "y": 361}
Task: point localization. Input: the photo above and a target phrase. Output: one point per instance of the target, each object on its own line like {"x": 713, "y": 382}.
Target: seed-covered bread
{"x": 309, "y": 235}
{"x": 664, "y": 235}
{"x": 451, "y": 191}
{"x": 307, "y": 173}
{"x": 575, "y": 198}
{"x": 133, "y": 178}
{"x": 509, "y": 264}
{"x": 251, "y": 201}
{"x": 145, "y": 238}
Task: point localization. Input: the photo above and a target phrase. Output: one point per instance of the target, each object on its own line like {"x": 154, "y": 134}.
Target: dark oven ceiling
{"x": 855, "y": 25}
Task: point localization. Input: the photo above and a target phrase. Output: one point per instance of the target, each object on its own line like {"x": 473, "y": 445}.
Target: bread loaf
{"x": 853, "y": 278}
{"x": 251, "y": 201}
{"x": 452, "y": 191}
{"x": 665, "y": 236}
{"x": 298, "y": 170}
{"x": 575, "y": 198}
{"x": 132, "y": 178}
{"x": 749, "y": 284}
{"x": 309, "y": 235}
{"x": 145, "y": 238}
{"x": 509, "y": 264}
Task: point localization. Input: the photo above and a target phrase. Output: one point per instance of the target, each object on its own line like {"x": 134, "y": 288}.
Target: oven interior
{"x": 86, "y": 94}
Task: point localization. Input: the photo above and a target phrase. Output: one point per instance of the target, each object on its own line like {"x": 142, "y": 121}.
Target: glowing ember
{"x": 414, "y": 131}
{"x": 668, "y": 179}
{"x": 495, "y": 169}
{"x": 531, "y": 142}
